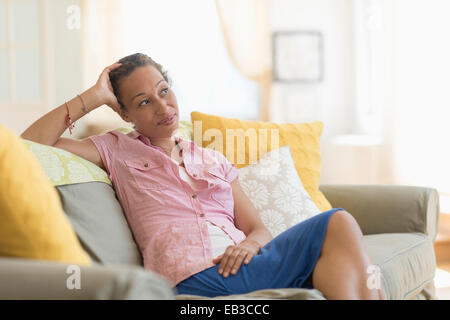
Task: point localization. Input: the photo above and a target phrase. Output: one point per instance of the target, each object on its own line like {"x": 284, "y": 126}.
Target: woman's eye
{"x": 147, "y": 101}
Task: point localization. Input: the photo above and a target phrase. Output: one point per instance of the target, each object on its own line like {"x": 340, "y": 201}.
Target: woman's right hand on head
{"x": 104, "y": 89}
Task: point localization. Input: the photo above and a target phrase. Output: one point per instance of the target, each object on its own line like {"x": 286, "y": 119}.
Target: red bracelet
{"x": 69, "y": 123}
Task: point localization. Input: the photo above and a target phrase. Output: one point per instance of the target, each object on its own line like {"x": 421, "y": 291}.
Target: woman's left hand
{"x": 231, "y": 260}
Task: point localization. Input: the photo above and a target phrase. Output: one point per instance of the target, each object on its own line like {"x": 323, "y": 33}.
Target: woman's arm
{"x": 49, "y": 128}
{"x": 247, "y": 219}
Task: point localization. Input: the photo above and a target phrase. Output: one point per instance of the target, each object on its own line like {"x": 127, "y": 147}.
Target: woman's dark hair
{"x": 129, "y": 64}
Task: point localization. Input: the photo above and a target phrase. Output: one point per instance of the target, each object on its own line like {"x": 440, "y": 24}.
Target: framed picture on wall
{"x": 297, "y": 56}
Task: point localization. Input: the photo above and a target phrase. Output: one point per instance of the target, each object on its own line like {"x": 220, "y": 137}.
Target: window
{"x": 21, "y": 52}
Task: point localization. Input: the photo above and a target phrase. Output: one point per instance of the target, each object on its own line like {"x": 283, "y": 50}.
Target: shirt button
{"x": 194, "y": 196}
{"x": 194, "y": 175}
{"x": 211, "y": 184}
{"x": 202, "y": 215}
{"x": 146, "y": 165}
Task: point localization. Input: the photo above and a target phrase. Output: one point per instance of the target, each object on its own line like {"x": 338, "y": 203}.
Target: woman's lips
{"x": 168, "y": 121}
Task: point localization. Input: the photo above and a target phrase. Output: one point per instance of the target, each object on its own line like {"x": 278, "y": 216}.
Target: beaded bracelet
{"x": 85, "y": 109}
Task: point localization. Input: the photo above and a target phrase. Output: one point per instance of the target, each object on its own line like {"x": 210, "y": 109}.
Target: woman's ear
{"x": 123, "y": 113}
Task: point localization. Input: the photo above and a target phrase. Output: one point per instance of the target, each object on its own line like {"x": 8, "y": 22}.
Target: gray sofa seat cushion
{"x": 100, "y": 223}
{"x": 265, "y": 294}
{"x": 406, "y": 260}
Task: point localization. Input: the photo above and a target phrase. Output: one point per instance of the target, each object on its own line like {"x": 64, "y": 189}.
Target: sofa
{"x": 399, "y": 224}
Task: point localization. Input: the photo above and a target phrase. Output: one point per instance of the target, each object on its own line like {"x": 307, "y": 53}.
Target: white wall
{"x": 346, "y": 158}
{"x": 331, "y": 101}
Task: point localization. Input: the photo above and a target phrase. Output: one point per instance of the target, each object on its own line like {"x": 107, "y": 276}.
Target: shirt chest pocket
{"x": 221, "y": 191}
{"x": 147, "y": 174}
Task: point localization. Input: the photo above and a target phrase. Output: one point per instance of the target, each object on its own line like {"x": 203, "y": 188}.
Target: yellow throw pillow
{"x": 32, "y": 222}
{"x": 302, "y": 138}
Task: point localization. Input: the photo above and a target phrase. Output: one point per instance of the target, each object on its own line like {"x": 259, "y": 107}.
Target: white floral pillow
{"x": 276, "y": 191}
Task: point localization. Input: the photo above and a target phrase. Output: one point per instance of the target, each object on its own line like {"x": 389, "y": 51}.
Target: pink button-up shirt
{"x": 168, "y": 217}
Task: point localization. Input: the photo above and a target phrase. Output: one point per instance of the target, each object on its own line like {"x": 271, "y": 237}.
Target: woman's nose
{"x": 162, "y": 107}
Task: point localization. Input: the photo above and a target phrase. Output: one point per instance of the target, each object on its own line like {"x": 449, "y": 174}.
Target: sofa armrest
{"x": 41, "y": 280}
{"x": 388, "y": 208}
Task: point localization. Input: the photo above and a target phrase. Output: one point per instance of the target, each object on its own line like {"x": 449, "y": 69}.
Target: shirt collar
{"x": 137, "y": 135}
{"x": 133, "y": 134}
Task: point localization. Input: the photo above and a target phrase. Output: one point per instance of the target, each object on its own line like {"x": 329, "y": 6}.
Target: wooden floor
{"x": 442, "y": 251}
{"x": 442, "y": 242}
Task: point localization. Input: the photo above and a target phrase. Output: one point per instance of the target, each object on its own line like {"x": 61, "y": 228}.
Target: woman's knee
{"x": 342, "y": 217}
{"x": 343, "y": 234}
{"x": 343, "y": 224}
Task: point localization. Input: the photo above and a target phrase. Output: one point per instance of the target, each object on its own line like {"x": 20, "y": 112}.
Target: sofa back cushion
{"x": 88, "y": 200}
{"x": 100, "y": 223}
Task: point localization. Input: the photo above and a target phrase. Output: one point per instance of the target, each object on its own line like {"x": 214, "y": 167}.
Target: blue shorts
{"x": 287, "y": 261}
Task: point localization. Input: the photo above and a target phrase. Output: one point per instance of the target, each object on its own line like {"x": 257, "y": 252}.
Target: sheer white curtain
{"x": 417, "y": 104}
{"x": 422, "y": 95}
{"x": 102, "y": 45}
{"x": 246, "y": 29}
{"x": 403, "y": 68}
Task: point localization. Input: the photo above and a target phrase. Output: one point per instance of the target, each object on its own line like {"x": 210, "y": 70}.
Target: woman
{"x": 191, "y": 220}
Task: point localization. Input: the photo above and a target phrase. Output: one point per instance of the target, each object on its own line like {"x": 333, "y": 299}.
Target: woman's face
{"x": 149, "y": 102}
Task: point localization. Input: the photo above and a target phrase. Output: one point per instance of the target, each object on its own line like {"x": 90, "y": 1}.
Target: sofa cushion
{"x": 32, "y": 221}
{"x": 264, "y": 294}
{"x": 406, "y": 260}
{"x": 303, "y": 138}
{"x": 100, "y": 223}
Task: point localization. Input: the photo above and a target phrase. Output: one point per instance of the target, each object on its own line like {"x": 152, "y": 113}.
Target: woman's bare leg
{"x": 341, "y": 271}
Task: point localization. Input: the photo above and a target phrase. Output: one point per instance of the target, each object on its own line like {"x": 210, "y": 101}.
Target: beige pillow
{"x": 276, "y": 191}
